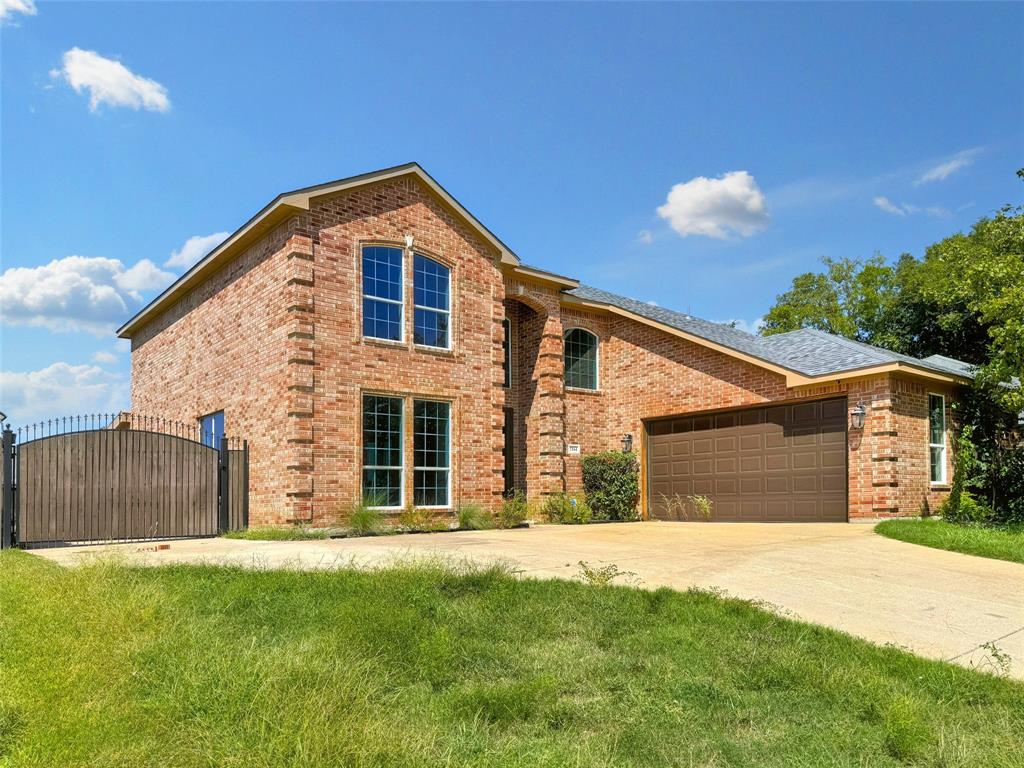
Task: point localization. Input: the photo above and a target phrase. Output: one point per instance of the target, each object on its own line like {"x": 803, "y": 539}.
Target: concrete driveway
{"x": 939, "y": 604}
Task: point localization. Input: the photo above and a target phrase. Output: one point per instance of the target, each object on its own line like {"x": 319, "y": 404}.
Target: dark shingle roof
{"x": 807, "y": 351}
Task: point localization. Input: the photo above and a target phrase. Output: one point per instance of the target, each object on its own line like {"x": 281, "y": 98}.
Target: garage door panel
{"x": 772, "y": 463}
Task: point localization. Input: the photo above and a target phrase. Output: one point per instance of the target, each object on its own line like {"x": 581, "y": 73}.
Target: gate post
{"x": 224, "y": 477}
{"x": 7, "y": 510}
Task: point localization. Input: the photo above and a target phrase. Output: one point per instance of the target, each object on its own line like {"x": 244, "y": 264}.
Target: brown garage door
{"x": 773, "y": 464}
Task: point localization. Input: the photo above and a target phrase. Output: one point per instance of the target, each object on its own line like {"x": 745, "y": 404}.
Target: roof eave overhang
{"x": 542, "y": 276}
{"x": 289, "y": 204}
{"x": 794, "y": 379}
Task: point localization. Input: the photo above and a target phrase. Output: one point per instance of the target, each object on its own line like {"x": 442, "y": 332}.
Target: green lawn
{"x": 998, "y": 543}
{"x": 279, "y": 533}
{"x": 420, "y": 666}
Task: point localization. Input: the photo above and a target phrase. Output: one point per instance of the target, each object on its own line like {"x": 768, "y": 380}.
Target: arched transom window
{"x": 580, "y": 359}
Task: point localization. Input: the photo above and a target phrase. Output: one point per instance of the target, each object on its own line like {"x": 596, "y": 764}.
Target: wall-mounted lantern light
{"x": 857, "y": 414}
{"x": 627, "y": 443}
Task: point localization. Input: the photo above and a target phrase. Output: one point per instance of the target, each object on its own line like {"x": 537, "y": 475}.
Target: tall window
{"x": 937, "y": 437}
{"x": 211, "y": 429}
{"x": 580, "y": 359}
{"x": 431, "y": 302}
{"x": 506, "y": 351}
{"x": 431, "y": 453}
{"x": 382, "y": 450}
{"x": 382, "y": 293}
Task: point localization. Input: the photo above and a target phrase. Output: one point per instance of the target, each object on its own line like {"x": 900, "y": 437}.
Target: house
{"x": 370, "y": 335}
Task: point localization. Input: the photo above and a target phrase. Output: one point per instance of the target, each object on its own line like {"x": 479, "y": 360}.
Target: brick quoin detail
{"x": 274, "y": 340}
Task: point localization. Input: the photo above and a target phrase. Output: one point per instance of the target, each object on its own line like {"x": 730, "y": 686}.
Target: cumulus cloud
{"x": 110, "y": 82}
{"x": 730, "y": 204}
{"x": 948, "y": 167}
{"x": 61, "y": 390}
{"x": 10, "y": 7}
{"x": 77, "y": 293}
{"x": 194, "y": 249}
{"x": 906, "y": 209}
{"x": 104, "y": 357}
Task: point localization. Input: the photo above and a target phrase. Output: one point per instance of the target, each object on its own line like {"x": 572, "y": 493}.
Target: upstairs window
{"x": 431, "y": 303}
{"x": 580, "y": 359}
{"x": 506, "y": 351}
{"x": 937, "y": 437}
{"x": 382, "y": 293}
{"x": 211, "y": 429}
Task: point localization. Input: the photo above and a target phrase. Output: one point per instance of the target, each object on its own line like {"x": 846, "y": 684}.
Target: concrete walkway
{"x": 939, "y": 604}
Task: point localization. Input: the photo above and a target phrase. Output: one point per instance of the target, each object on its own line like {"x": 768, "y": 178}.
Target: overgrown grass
{"x": 187, "y": 666}
{"x": 1005, "y": 543}
{"x": 279, "y": 533}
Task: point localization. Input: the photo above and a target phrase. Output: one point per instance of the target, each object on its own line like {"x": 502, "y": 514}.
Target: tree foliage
{"x": 964, "y": 299}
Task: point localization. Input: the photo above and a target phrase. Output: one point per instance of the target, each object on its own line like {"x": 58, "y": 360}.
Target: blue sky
{"x": 698, "y": 156}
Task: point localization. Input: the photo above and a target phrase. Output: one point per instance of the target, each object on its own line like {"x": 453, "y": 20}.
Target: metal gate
{"x": 120, "y": 477}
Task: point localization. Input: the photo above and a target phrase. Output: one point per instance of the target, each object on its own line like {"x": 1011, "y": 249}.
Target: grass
{"x": 279, "y": 533}
{"x": 185, "y": 666}
{"x": 1005, "y": 543}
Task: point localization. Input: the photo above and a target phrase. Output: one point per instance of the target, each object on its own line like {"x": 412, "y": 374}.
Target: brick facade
{"x": 274, "y": 340}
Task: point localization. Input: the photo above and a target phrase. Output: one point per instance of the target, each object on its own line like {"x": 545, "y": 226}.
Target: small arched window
{"x": 580, "y": 359}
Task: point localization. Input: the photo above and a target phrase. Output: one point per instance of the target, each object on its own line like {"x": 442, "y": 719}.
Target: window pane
{"x": 211, "y": 429}
{"x": 506, "y": 348}
{"x": 430, "y": 328}
{"x": 382, "y": 487}
{"x": 431, "y": 452}
{"x": 430, "y": 283}
{"x": 936, "y": 420}
{"x": 580, "y": 359}
{"x": 382, "y": 450}
{"x": 382, "y": 273}
{"x": 938, "y": 460}
{"x": 382, "y": 320}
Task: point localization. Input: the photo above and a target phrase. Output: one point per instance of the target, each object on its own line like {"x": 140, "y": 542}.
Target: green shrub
{"x": 364, "y": 519}
{"x": 513, "y": 511}
{"x": 611, "y": 481}
{"x": 567, "y": 508}
{"x": 473, "y": 517}
{"x": 420, "y": 520}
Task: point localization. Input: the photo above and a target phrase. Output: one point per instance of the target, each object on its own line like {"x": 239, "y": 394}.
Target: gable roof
{"x": 290, "y": 203}
{"x": 808, "y": 353}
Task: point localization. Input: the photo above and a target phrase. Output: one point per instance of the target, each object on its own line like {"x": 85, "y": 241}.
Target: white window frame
{"x": 416, "y": 306}
{"x": 401, "y": 449}
{"x": 401, "y": 294}
{"x": 597, "y": 359}
{"x": 943, "y": 479}
{"x": 447, "y": 469}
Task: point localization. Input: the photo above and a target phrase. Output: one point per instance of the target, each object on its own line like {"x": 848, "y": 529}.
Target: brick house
{"x": 369, "y": 335}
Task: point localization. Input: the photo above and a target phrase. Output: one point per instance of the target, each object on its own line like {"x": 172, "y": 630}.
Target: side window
{"x": 211, "y": 429}
{"x": 382, "y": 293}
{"x": 431, "y": 303}
{"x": 937, "y": 438}
{"x": 580, "y": 359}
{"x": 506, "y": 349}
{"x": 382, "y": 451}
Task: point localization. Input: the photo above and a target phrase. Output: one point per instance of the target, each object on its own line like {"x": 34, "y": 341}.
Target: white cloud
{"x": 104, "y": 357}
{"x": 110, "y": 82}
{"x": 61, "y": 390}
{"x": 948, "y": 167}
{"x": 77, "y": 293}
{"x": 10, "y": 7}
{"x": 194, "y": 249}
{"x": 645, "y": 237}
{"x": 732, "y": 203}
{"x": 906, "y": 209}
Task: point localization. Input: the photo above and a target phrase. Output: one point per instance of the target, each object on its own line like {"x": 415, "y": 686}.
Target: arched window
{"x": 580, "y": 359}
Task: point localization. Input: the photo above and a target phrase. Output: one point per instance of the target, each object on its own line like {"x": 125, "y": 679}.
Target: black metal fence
{"x": 120, "y": 477}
